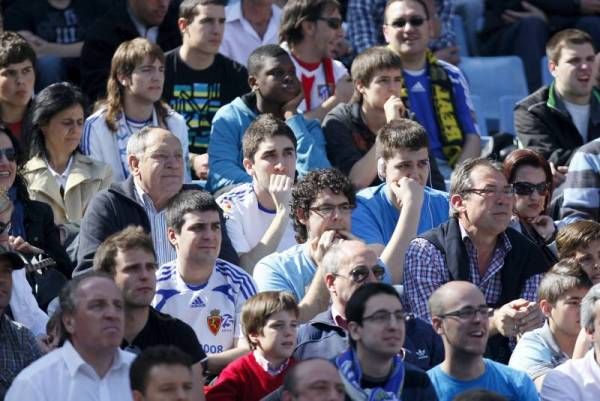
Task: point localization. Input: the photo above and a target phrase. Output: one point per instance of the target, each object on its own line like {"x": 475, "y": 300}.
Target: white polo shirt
{"x": 63, "y": 375}
{"x": 240, "y": 39}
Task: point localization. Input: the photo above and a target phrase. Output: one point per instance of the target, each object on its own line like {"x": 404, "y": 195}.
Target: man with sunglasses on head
{"x": 477, "y": 245}
{"x": 310, "y": 31}
{"x": 372, "y": 367}
{"x": 348, "y": 265}
{"x": 460, "y": 314}
{"x": 434, "y": 90}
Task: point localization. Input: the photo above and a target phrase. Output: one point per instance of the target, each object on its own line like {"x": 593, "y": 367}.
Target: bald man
{"x": 313, "y": 380}
{"x": 460, "y": 315}
{"x": 348, "y": 265}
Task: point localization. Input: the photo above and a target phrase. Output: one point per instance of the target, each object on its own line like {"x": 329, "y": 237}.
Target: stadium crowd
{"x": 295, "y": 200}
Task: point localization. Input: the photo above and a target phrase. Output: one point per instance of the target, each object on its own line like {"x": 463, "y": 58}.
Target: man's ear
{"x": 436, "y": 323}
{"x": 252, "y": 82}
{"x": 249, "y": 166}
{"x": 182, "y": 24}
{"x": 457, "y": 203}
{"x": 329, "y": 280}
{"x": 69, "y": 322}
{"x": 302, "y": 216}
{"x": 545, "y": 307}
{"x": 137, "y": 395}
{"x": 253, "y": 339}
{"x": 354, "y": 330}
{"x": 552, "y": 67}
{"x": 308, "y": 27}
{"x": 171, "y": 235}
{"x": 134, "y": 163}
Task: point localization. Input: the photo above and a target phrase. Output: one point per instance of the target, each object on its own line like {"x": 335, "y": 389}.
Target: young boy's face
{"x": 589, "y": 258}
{"x": 276, "y": 81}
{"x": 564, "y": 317}
{"x": 278, "y": 338}
{"x": 408, "y": 163}
{"x": 16, "y": 83}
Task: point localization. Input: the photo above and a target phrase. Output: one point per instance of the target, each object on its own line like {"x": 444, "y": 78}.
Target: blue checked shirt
{"x": 425, "y": 271}
{"x": 18, "y": 348}
{"x": 365, "y": 24}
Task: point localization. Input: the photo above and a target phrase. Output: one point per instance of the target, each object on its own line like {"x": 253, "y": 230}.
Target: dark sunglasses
{"x": 332, "y": 22}
{"x": 415, "y": 21}
{"x": 10, "y": 154}
{"x": 361, "y": 273}
{"x": 527, "y": 188}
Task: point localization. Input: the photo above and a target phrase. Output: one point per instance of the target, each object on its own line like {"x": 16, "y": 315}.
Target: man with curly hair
{"x": 321, "y": 208}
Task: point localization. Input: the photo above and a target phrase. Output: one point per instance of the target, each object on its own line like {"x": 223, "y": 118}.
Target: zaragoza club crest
{"x": 214, "y": 321}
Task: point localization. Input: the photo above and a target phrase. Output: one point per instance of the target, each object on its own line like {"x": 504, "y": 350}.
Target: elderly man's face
{"x": 159, "y": 170}
{"x": 97, "y": 324}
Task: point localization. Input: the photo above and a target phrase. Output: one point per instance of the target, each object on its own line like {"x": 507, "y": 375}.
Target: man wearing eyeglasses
{"x": 434, "y": 90}
{"x": 372, "y": 367}
{"x": 460, "y": 314}
{"x": 349, "y": 265}
{"x": 321, "y": 208}
{"x": 310, "y": 32}
{"x": 477, "y": 245}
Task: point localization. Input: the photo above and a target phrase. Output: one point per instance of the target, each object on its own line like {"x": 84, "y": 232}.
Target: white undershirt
{"x": 581, "y": 117}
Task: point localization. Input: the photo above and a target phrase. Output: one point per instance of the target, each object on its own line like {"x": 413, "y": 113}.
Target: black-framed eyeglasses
{"x": 360, "y": 273}
{"x": 508, "y": 190}
{"x": 327, "y": 210}
{"x": 5, "y": 227}
{"x": 332, "y": 22}
{"x": 385, "y": 317}
{"x": 9, "y": 153}
{"x": 527, "y": 188}
{"x": 415, "y": 21}
{"x": 469, "y": 313}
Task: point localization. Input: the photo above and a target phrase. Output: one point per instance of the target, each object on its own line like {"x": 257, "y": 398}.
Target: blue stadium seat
{"x": 491, "y": 78}
{"x": 507, "y": 113}
{"x": 461, "y": 37}
{"x": 546, "y": 76}
{"x": 477, "y": 105}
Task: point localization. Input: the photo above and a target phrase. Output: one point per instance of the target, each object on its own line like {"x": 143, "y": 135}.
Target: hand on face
{"x": 290, "y": 108}
{"x": 280, "y": 188}
{"x": 318, "y": 246}
{"x": 407, "y": 190}
{"x": 19, "y": 244}
{"x": 559, "y": 174}
{"x": 529, "y": 316}
{"x": 394, "y": 108}
{"x": 544, "y": 226}
{"x": 200, "y": 166}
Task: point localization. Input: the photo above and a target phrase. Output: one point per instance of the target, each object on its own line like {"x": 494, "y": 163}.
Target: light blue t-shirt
{"x": 375, "y": 216}
{"x": 512, "y": 384}
{"x": 291, "y": 270}
{"x": 421, "y": 103}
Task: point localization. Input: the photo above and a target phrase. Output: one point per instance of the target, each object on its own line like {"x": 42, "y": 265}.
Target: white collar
{"x": 75, "y": 362}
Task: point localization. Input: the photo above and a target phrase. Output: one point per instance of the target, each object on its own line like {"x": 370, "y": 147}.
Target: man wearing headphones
{"x": 403, "y": 206}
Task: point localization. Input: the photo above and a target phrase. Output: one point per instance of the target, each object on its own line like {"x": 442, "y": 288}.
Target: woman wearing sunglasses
{"x": 57, "y": 173}
{"x": 531, "y": 177}
{"x": 32, "y": 221}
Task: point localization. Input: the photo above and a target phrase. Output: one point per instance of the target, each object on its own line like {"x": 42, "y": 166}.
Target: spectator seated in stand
{"x": 134, "y": 90}
{"x": 351, "y": 128}
{"x": 460, "y": 314}
{"x": 248, "y": 25}
{"x": 198, "y": 79}
{"x": 155, "y": 20}
{"x": 531, "y": 177}
{"x": 55, "y": 29}
{"x": 581, "y": 241}
{"x": 559, "y": 295}
{"x": 17, "y": 78}
{"x": 270, "y": 323}
{"x": 559, "y": 118}
{"x": 276, "y": 90}
{"x": 310, "y": 31}
{"x": 404, "y": 206}
{"x": 257, "y": 214}
{"x": 435, "y": 91}
{"x": 477, "y": 245}
{"x": 57, "y": 173}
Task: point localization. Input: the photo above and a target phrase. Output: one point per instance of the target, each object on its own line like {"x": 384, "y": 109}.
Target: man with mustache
{"x": 477, "y": 245}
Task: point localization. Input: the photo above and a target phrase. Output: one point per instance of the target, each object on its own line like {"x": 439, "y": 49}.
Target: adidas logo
{"x": 417, "y": 88}
{"x": 198, "y": 303}
{"x": 421, "y": 354}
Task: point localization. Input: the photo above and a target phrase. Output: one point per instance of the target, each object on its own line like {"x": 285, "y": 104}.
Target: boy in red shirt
{"x": 270, "y": 322}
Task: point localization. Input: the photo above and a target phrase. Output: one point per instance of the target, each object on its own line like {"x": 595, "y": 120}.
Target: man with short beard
{"x": 461, "y": 316}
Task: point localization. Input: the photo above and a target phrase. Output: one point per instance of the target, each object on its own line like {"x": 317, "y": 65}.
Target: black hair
{"x": 257, "y": 57}
{"x": 170, "y": 355}
{"x": 189, "y": 201}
